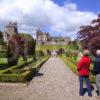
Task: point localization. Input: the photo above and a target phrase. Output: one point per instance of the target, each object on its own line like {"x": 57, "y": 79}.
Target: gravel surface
{"x": 53, "y": 82}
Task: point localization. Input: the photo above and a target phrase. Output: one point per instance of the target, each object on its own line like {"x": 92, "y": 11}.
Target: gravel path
{"x": 53, "y": 82}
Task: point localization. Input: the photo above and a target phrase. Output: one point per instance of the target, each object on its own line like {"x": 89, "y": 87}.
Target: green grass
{"x": 3, "y": 60}
{"x": 3, "y": 64}
{"x": 50, "y": 47}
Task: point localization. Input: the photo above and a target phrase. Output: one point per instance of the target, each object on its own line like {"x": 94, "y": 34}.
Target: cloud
{"x": 34, "y": 14}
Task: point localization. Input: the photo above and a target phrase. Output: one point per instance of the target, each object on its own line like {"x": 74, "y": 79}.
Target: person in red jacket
{"x": 83, "y": 70}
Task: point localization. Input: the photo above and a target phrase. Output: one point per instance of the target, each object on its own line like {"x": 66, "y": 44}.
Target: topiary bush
{"x": 61, "y": 51}
{"x": 1, "y": 39}
{"x": 20, "y": 45}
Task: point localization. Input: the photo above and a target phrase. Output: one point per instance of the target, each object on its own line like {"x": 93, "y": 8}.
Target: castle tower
{"x": 39, "y": 35}
{"x": 11, "y": 28}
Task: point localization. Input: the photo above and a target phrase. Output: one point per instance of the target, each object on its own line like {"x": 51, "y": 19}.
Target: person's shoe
{"x": 81, "y": 95}
{"x": 97, "y": 97}
{"x": 90, "y": 95}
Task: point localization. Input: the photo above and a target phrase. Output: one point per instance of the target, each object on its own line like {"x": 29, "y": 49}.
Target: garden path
{"x": 53, "y": 82}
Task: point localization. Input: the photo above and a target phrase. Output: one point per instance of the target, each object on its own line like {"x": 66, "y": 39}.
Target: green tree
{"x": 90, "y": 35}
{"x": 20, "y": 45}
{"x": 1, "y": 38}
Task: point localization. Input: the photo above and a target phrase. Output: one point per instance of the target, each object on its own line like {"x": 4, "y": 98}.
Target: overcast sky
{"x": 59, "y": 17}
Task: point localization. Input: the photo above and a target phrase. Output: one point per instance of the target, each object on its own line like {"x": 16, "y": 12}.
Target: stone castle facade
{"x": 10, "y": 29}
{"x": 45, "y": 38}
{"x": 41, "y": 37}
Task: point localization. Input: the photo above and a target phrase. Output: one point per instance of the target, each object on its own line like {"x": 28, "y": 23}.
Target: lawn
{"x": 50, "y": 47}
{"x": 3, "y": 60}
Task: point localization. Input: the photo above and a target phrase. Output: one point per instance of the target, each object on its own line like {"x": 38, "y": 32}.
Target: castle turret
{"x": 11, "y": 28}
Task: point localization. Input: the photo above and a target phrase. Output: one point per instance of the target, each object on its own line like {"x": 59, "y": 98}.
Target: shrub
{"x": 31, "y": 43}
{"x": 67, "y": 53}
{"x": 39, "y": 53}
{"x": 20, "y": 66}
{"x": 15, "y": 74}
{"x": 61, "y": 51}
{"x": 90, "y": 36}
{"x": 1, "y": 38}
{"x": 3, "y": 54}
{"x": 14, "y": 77}
{"x": 15, "y": 71}
{"x": 20, "y": 45}
{"x": 12, "y": 52}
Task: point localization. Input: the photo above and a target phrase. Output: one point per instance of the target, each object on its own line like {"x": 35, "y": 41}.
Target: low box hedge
{"x": 3, "y": 54}
{"x": 20, "y": 66}
{"x": 20, "y": 75}
{"x": 15, "y": 77}
{"x": 14, "y": 71}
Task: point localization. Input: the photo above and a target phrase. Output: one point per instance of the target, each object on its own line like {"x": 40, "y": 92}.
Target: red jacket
{"x": 83, "y": 66}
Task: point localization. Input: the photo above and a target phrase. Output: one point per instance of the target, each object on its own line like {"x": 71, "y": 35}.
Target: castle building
{"x": 10, "y": 29}
{"x": 42, "y": 37}
{"x": 45, "y": 38}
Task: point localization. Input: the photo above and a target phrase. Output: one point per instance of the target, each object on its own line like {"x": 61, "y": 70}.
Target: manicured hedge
{"x": 20, "y": 75}
{"x": 39, "y": 53}
{"x": 15, "y": 77}
{"x": 14, "y": 67}
{"x": 15, "y": 71}
{"x": 20, "y": 66}
{"x": 3, "y": 54}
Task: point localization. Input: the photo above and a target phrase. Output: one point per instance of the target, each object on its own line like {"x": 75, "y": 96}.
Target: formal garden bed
{"x": 23, "y": 71}
{"x": 72, "y": 64}
{"x": 19, "y": 59}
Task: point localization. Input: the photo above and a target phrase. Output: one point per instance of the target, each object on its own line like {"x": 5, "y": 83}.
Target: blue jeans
{"x": 89, "y": 89}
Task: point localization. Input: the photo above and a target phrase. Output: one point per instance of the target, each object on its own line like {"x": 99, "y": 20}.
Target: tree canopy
{"x": 90, "y": 35}
{"x": 20, "y": 45}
